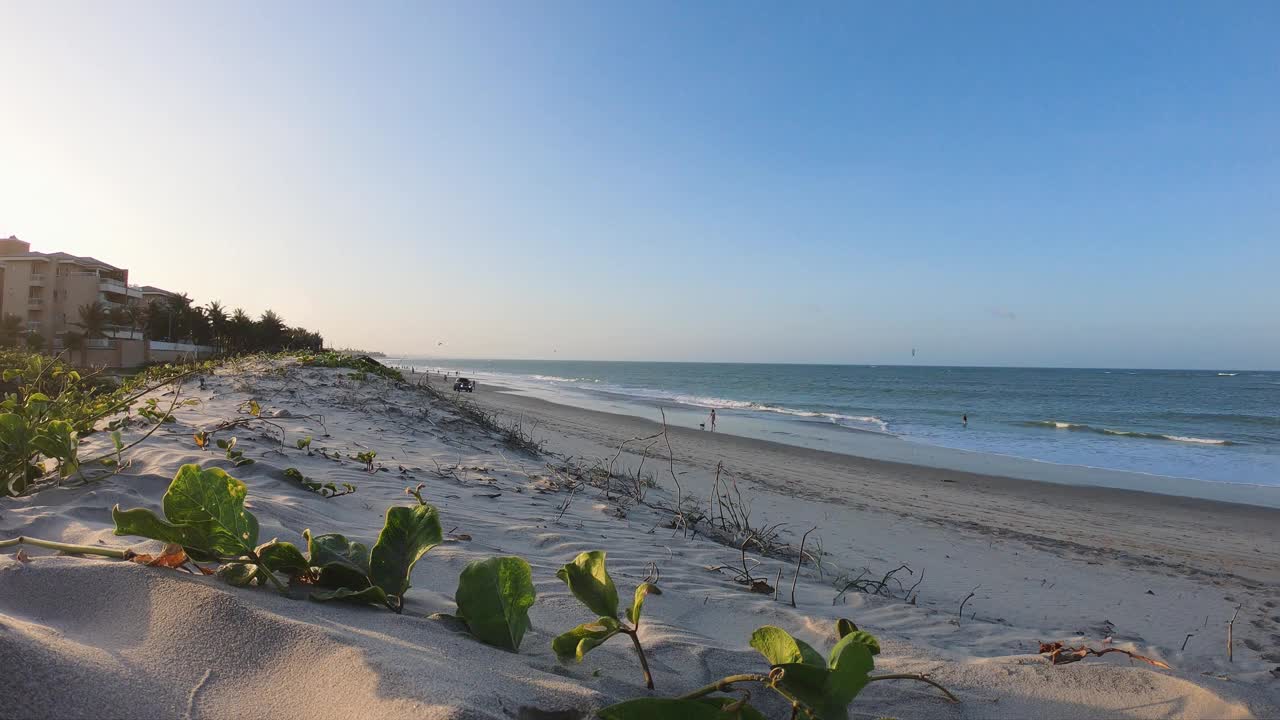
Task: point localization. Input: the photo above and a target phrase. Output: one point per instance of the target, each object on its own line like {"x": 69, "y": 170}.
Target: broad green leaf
{"x": 371, "y": 594}
{"x": 579, "y": 641}
{"x": 708, "y": 708}
{"x": 144, "y": 523}
{"x": 284, "y": 558}
{"x": 844, "y": 627}
{"x": 863, "y": 637}
{"x": 342, "y": 564}
{"x": 407, "y": 534}
{"x": 851, "y": 665}
{"x": 213, "y": 500}
{"x": 589, "y": 581}
{"x": 116, "y": 440}
{"x": 637, "y": 604}
{"x": 494, "y": 597}
{"x": 780, "y": 648}
{"x": 58, "y": 440}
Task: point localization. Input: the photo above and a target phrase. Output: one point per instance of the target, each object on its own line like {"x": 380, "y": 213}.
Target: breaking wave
{"x": 1081, "y": 427}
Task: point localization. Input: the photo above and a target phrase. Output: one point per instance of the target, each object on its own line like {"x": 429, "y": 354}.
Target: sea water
{"x": 1214, "y": 425}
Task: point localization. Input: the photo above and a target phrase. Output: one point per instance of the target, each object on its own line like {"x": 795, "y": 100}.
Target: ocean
{"x": 1217, "y": 426}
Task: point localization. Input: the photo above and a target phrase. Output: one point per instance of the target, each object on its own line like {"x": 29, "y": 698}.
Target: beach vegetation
{"x": 589, "y": 581}
{"x": 382, "y": 576}
{"x": 204, "y": 513}
{"x": 234, "y": 455}
{"x": 325, "y": 490}
{"x": 367, "y": 457}
{"x": 360, "y": 363}
{"x": 817, "y": 688}
{"x": 48, "y": 407}
{"x": 494, "y": 597}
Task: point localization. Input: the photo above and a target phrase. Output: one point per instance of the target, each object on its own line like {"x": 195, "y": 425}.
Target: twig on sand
{"x": 960, "y": 614}
{"x": 917, "y": 677}
{"x": 1061, "y": 655}
{"x": 799, "y": 563}
{"x": 1230, "y": 631}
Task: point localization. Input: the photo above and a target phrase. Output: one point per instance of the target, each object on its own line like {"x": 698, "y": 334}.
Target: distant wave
{"x": 1081, "y": 427}
{"x": 868, "y": 423}
{"x": 1227, "y": 374}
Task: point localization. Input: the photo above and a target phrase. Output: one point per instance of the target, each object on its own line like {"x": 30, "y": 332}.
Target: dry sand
{"x": 93, "y": 638}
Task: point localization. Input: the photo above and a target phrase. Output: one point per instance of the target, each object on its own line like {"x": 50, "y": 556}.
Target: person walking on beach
{"x": 713, "y": 419}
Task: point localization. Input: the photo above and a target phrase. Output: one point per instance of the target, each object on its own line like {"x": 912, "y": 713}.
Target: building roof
{"x": 64, "y": 257}
{"x": 153, "y": 290}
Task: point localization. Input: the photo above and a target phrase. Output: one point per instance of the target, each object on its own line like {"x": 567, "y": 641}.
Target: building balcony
{"x": 35, "y": 302}
{"x": 112, "y": 285}
{"x": 37, "y": 279}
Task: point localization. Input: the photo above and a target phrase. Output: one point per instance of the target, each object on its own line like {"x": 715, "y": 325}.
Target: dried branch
{"x": 799, "y": 563}
{"x": 1062, "y": 655}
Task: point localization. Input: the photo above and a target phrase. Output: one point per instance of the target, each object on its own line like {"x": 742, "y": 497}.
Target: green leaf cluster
{"x": 234, "y": 455}
{"x": 589, "y": 581}
{"x": 327, "y": 490}
{"x": 818, "y": 688}
{"x": 350, "y": 572}
{"x": 204, "y": 513}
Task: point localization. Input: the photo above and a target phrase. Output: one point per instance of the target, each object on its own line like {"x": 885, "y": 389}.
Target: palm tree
{"x": 117, "y": 317}
{"x": 10, "y": 330}
{"x": 178, "y": 305}
{"x": 271, "y": 329}
{"x": 93, "y": 319}
{"x": 137, "y": 314}
{"x": 217, "y": 316}
{"x": 240, "y": 330}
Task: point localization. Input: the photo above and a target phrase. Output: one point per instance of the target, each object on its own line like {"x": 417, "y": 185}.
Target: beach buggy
{"x": 464, "y": 385}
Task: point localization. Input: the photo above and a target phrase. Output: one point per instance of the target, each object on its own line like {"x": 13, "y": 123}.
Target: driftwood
{"x": 1059, "y": 654}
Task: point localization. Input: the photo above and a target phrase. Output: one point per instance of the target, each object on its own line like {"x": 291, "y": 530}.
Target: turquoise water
{"x": 1220, "y": 426}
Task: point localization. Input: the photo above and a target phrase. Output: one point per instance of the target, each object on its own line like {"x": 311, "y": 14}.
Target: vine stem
{"x": 66, "y": 547}
{"x": 723, "y": 684}
{"x": 270, "y": 575}
{"x": 644, "y": 663}
{"x": 913, "y": 676}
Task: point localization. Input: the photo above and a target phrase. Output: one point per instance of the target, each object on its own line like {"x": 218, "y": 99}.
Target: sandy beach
{"x": 1031, "y": 562}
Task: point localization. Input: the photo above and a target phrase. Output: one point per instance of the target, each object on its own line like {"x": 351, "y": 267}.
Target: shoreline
{"x": 867, "y": 443}
{"x": 925, "y": 456}
{"x": 1037, "y": 511}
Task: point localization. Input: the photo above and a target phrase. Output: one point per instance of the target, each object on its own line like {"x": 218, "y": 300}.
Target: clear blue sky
{"x": 992, "y": 183}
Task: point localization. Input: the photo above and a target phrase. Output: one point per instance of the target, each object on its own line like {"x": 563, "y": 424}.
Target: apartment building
{"x": 46, "y": 290}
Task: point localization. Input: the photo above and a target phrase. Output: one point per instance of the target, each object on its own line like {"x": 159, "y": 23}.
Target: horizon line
{"x": 408, "y": 356}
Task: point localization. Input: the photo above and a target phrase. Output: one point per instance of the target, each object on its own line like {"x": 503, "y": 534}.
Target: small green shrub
{"x": 588, "y": 579}
{"x": 382, "y": 575}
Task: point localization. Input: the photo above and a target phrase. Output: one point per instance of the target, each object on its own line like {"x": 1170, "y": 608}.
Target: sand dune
{"x": 98, "y": 638}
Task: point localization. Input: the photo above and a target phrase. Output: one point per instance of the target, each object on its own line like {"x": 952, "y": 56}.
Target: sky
{"x": 1012, "y": 183}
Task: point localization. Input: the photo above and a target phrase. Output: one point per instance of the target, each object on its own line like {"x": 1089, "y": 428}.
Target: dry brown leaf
{"x": 22, "y": 556}
{"x": 173, "y": 556}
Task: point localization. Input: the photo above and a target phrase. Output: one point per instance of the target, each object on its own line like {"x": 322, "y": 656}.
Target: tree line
{"x": 174, "y": 319}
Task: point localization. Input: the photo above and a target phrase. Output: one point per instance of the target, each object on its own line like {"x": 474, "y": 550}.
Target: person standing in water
{"x": 713, "y": 419}
{"x": 965, "y": 419}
